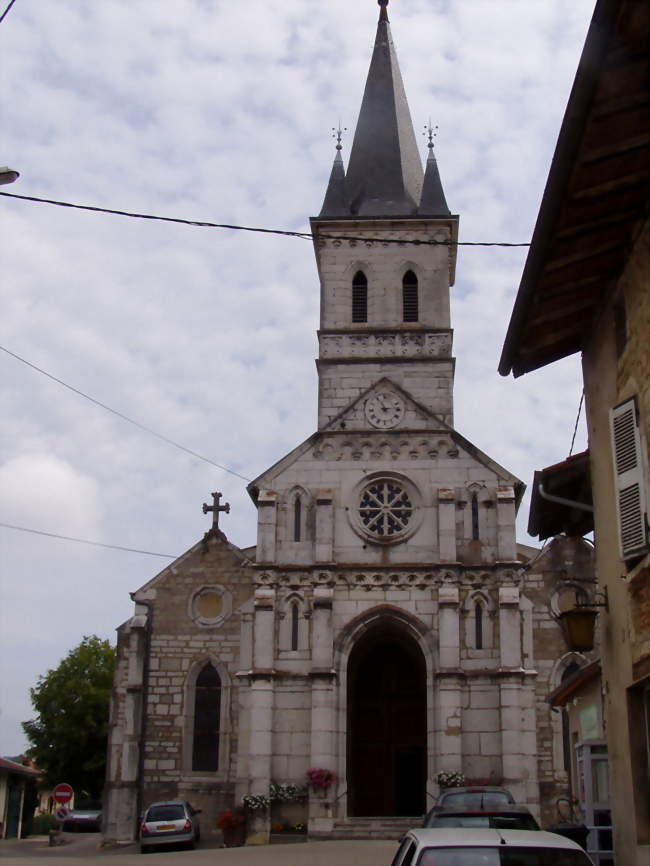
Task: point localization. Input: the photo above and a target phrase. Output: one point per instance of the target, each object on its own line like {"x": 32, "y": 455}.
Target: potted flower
{"x": 451, "y": 780}
{"x": 319, "y": 779}
{"x": 231, "y": 824}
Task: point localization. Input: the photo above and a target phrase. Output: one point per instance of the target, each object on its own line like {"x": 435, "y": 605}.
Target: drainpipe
{"x": 560, "y": 500}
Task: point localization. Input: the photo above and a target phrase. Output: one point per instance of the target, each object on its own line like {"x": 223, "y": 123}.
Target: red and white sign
{"x": 61, "y": 813}
{"x": 62, "y": 793}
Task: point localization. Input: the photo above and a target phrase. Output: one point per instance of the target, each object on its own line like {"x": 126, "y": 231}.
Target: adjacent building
{"x": 586, "y": 288}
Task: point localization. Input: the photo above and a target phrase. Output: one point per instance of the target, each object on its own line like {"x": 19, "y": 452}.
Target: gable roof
{"x": 596, "y": 195}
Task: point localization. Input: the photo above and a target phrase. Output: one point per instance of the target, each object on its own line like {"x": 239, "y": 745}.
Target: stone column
{"x": 266, "y": 525}
{"x": 261, "y": 710}
{"x": 506, "y": 540}
{"x": 510, "y": 687}
{"x": 447, "y": 525}
{"x": 448, "y": 704}
{"x": 324, "y": 526}
{"x": 323, "y": 714}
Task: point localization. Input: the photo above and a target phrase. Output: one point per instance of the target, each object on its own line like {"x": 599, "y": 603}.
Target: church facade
{"x": 386, "y": 627}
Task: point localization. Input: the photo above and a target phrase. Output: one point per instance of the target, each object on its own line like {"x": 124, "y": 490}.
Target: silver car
{"x": 173, "y": 822}
{"x": 488, "y": 847}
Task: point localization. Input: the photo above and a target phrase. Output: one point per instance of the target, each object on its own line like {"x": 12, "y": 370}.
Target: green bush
{"x": 42, "y": 824}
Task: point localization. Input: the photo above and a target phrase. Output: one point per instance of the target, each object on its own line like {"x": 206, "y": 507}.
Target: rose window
{"x": 385, "y": 509}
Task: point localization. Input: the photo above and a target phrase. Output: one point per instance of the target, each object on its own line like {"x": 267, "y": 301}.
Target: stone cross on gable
{"x": 215, "y": 508}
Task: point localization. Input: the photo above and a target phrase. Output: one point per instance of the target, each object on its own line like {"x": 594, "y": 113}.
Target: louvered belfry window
{"x": 628, "y": 479}
{"x": 360, "y": 297}
{"x": 207, "y": 713}
{"x": 411, "y": 311}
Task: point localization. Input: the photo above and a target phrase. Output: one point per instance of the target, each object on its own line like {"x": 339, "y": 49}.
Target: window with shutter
{"x": 628, "y": 479}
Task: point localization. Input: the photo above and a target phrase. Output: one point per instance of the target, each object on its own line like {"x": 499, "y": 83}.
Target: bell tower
{"x": 384, "y": 245}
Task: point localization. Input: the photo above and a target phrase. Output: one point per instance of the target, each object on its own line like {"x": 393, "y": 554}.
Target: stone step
{"x": 381, "y": 827}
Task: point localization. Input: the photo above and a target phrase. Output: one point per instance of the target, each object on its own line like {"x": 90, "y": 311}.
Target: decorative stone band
{"x": 401, "y": 344}
{"x": 380, "y": 446}
{"x": 506, "y": 578}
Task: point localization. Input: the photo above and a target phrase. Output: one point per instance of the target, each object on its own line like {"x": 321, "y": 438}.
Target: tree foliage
{"x": 69, "y": 733}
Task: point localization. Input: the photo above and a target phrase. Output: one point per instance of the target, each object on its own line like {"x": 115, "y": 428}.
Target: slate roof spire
{"x": 384, "y": 176}
{"x": 433, "y": 202}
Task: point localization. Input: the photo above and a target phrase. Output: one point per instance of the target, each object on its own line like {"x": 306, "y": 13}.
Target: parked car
{"x": 173, "y": 822}
{"x": 487, "y": 847}
{"x": 476, "y": 797}
{"x": 85, "y": 817}
{"x": 503, "y": 818}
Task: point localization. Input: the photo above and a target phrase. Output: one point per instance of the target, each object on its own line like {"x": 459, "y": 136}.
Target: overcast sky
{"x": 222, "y": 111}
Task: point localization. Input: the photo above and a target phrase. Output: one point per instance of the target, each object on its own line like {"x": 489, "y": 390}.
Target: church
{"x": 386, "y": 628}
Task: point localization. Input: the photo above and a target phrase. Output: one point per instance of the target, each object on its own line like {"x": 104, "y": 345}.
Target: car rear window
{"x": 476, "y": 800}
{"x": 501, "y": 822}
{"x": 165, "y": 813}
{"x": 510, "y": 856}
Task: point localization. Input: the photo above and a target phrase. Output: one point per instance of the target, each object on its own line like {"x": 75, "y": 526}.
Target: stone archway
{"x": 387, "y": 729}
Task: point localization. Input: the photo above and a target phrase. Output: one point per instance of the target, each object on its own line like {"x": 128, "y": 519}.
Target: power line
{"x": 283, "y": 232}
{"x": 85, "y": 541}
{"x": 123, "y": 416}
{"x": 4, "y": 14}
{"x": 575, "y": 429}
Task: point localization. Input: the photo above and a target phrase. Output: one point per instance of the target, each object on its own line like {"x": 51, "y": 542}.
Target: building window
{"x": 360, "y": 297}
{"x": 385, "y": 509}
{"x": 297, "y": 515}
{"x": 410, "y": 297}
{"x": 628, "y": 478}
{"x": 295, "y": 622}
{"x": 478, "y": 625}
{"x": 475, "y": 524}
{"x": 207, "y": 718}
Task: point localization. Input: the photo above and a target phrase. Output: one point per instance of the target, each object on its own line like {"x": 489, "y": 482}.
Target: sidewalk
{"x": 83, "y": 849}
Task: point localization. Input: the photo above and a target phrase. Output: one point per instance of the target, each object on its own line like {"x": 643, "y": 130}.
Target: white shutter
{"x": 628, "y": 479}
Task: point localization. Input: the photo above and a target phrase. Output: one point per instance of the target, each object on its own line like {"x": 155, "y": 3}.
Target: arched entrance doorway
{"x": 387, "y": 729}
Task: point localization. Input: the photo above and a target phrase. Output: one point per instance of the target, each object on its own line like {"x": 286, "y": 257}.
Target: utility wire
{"x": 582, "y": 397}
{"x": 4, "y": 14}
{"x": 285, "y": 233}
{"x": 124, "y": 417}
{"x": 85, "y": 541}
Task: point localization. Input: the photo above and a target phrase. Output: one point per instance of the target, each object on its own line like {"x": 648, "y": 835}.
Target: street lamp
{"x": 579, "y": 623}
{"x": 8, "y": 175}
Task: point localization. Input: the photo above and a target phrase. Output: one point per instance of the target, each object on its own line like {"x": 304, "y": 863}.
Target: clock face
{"x": 384, "y": 409}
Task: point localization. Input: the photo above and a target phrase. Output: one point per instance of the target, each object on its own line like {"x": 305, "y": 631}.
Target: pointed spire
{"x": 335, "y": 202}
{"x": 384, "y": 176}
{"x": 433, "y": 202}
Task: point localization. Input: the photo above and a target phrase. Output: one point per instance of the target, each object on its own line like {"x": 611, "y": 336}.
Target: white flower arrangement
{"x": 451, "y": 780}
{"x": 287, "y": 792}
{"x": 255, "y": 802}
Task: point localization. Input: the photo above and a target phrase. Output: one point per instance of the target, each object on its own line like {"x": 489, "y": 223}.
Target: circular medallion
{"x": 384, "y": 409}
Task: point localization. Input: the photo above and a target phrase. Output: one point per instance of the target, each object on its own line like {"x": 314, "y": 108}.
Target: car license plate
{"x": 167, "y": 826}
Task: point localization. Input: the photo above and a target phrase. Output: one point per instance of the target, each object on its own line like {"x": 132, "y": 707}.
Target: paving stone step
{"x": 374, "y": 828}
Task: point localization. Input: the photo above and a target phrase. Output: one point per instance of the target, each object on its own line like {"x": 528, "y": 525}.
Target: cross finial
{"x": 215, "y": 508}
{"x": 432, "y": 132}
{"x": 383, "y": 14}
{"x": 338, "y": 135}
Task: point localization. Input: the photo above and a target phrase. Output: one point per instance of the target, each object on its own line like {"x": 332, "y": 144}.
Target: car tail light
{"x": 144, "y": 830}
{"x": 187, "y": 825}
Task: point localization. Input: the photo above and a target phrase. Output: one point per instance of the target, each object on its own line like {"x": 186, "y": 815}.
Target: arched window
{"x": 478, "y": 625}
{"x": 295, "y": 622}
{"x": 297, "y": 515}
{"x": 360, "y": 297}
{"x": 475, "y": 532}
{"x": 207, "y": 718}
{"x": 411, "y": 311}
